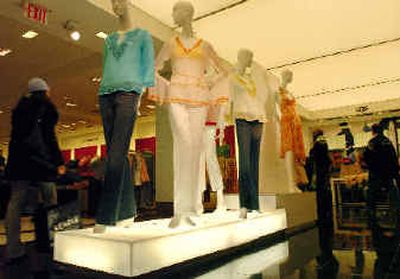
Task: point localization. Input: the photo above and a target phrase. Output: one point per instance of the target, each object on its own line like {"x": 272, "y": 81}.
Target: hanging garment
{"x": 291, "y": 129}
{"x": 128, "y": 66}
{"x": 188, "y": 83}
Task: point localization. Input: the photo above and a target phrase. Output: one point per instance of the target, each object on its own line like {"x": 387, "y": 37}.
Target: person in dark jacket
{"x": 383, "y": 170}
{"x": 321, "y": 163}
{"x": 34, "y": 158}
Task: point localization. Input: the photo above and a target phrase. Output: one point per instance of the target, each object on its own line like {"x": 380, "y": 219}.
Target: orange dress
{"x": 291, "y": 129}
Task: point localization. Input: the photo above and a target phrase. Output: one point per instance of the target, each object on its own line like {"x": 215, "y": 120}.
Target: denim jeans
{"x": 24, "y": 193}
{"x": 118, "y": 111}
{"x": 249, "y": 138}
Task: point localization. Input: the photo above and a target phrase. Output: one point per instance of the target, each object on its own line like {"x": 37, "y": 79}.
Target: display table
{"x": 151, "y": 245}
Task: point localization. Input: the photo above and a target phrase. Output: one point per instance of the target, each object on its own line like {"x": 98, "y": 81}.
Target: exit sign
{"x": 36, "y": 12}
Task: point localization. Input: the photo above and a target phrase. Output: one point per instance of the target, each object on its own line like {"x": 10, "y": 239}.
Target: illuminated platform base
{"x": 301, "y": 208}
{"x": 151, "y": 245}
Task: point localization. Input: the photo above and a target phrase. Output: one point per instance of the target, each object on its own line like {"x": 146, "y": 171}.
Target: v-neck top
{"x": 188, "y": 84}
{"x": 254, "y": 94}
{"x": 128, "y": 65}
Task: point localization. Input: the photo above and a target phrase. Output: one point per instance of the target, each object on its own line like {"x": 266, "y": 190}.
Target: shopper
{"x": 34, "y": 159}
{"x": 321, "y": 165}
{"x": 383, "y": 167}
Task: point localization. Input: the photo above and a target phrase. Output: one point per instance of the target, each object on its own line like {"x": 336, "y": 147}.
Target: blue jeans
{"x": 249, "y": 138}
{"x": 118, "y": 111}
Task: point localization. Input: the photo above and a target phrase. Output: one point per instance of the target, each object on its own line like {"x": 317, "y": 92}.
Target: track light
{"x": 71, "y": 27}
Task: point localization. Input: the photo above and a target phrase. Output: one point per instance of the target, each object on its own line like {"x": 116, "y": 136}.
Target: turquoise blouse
{"x": 129, "y": 65}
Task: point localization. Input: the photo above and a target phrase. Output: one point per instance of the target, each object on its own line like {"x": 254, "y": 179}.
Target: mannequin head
{"x": 245, "y": 58}
{"x": 120, "y": 7}
{"x": 183, "y": 13}
{"x": 287, "y": 76}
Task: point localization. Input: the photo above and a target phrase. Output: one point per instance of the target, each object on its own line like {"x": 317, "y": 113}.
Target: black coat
{"x": 381, "y": 158}
{"x": 321, "y": 163}
{"x": 25, "y": 162}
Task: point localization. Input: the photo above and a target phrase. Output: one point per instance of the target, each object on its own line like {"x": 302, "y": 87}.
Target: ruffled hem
{"x": 172, "y": 100}
{"x": 242, "y": 115}
{"x": 128, "y": 88}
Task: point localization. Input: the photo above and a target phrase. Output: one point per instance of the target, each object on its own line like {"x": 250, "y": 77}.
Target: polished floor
{"x": 320, "y": 252}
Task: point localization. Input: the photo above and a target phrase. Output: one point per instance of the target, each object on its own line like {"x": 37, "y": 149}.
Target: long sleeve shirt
{"x": 254, "y": 95}
{"x": 128, "y": 65}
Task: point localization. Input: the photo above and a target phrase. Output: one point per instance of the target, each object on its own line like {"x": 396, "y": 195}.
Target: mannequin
{"x": 250, "y": 110}
{"x": 188, "y": 97}
{"x": 292, "y": 145}
{"x": 128, "y": 68}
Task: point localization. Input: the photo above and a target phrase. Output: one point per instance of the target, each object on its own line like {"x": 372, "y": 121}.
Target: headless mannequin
{"x": 125, "y": 24}
{"x": 287, "y": 78}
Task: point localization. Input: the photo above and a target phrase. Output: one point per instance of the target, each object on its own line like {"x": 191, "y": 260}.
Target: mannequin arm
{"x": 216, "y": 63}
{"x": 162, "y": 84}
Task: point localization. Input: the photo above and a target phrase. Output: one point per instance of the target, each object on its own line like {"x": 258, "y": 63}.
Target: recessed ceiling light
{"x": 75, "y": 35}
{"x": 30, "y": 35}
{"x": 1, "y": 112}
{"x": 151, "y": 106}
{"x": 72, "y": 105}
{"x": 96, "y": 79}
{"x": 5, "y": 51}
{"x": 101, "y": 35}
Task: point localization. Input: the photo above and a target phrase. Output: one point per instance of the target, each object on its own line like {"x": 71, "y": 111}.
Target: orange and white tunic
{"x": 188, "y": 84}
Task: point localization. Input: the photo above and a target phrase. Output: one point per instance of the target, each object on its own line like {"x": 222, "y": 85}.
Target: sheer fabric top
{"x": 128, "y": 65}
{"x": 189, "y": 84}
{"x": 254, "y": 94}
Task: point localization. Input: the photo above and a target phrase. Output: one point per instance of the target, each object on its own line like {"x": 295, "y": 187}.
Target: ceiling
{"x": 282, "y": 32}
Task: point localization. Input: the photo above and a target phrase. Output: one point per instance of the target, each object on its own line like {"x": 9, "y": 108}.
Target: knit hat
{"x": 37, "y": 84}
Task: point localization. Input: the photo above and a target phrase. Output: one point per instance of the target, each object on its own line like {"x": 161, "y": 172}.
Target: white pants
{"x": 187, "y": 124}
{"x": 209, "y": 159}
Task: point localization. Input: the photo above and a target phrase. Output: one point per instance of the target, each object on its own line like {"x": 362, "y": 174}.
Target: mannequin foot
{"x": 99, "y": 229}
{"x": 125, "y": 223}
{"x": 295, "y": 190}
{"x": 191, "y": 221}
{"x": 243, "y": 213}
{"x": 255, "y": 213}
{"x": 175, "y": 222}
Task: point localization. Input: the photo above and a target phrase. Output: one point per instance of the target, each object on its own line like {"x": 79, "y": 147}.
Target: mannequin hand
{"x": 221, "y": 128}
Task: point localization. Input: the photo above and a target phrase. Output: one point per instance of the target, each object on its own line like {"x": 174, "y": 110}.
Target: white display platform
{"x": 151, "y": 245}
{"x": 301, "y": 208}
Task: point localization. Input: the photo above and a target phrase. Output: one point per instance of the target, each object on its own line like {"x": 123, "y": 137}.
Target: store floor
{"x": 315, "y": 253}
